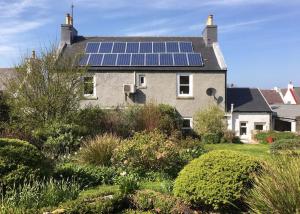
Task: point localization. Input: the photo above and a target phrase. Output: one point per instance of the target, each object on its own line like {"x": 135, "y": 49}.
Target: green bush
{"x": 285, "y": 145}
{"x": 190, "y": 149}
{"x": 20, "y": 160}
{"x": 99, "y": 150}
{"x": 211, "y": 138}
{"x": 147, "y": 152}
{"x": 229, "y": 137}
{"x": 277, "y": 189}
{"x": 209, "y": 120}
{"x": 35, "y": 194}
{"x": 131, "y": 211}
{"x": 262, "y": 136}
{"x": 128, "y": 182}
{"x": 216, "y": 180}
{"x": 85, "y": 175}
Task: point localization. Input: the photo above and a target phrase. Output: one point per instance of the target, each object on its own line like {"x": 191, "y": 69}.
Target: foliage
{"x": 190, "y": 149}
{"x": 131, "y": 211}
{"x": 146, "y": 152}
{"x": 209, "y": 120}
{"x": 217, "y": 179}
{"x": 85, "y": 175}
{"x": 262, "y": 136}
{"x": 128, "y": 182}
{"x": 20, "y": 160}
{"x": 285, "y": 145}
{"x": 99, "y": 150}
{"x": 229, "y": 137}
{"x": 4, "y": 109}
{"x": 35, "y": 194}
{"x": 211, "y": 138}
{"x": 277, "y": 189}
{"x": 46, "y": 88}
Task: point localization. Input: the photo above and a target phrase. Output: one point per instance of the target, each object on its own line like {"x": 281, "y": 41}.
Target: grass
{"x": 256, "y": 150}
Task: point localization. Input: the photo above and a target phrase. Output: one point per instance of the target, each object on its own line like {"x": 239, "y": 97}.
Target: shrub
{"x": 229, "y": 137}
{"x": 131, "y": 211}
{"x": 20, "y": 160}
{"x": 262, "y": 136}
{"x": 149, "y": 152}
{"x": 190, "y": 149}
{"x": 85, "y": 175}
{"x": 99, "y": 150}
{"x": 285, "y": 145}
{"x": 34, "y": 194}
{"x": 128, "y": 182}
{"x": 211, "y": 138}
{"x": 277, "y": 189}
{"x": 170, "y": 120}
{"x": 217, "y": 179}
{"x": 209, "y": 120}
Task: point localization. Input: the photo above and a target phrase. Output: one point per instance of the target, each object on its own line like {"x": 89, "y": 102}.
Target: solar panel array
{"x": 141, "y": 54}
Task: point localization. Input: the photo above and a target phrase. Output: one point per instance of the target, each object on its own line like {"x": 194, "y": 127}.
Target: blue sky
{"x": 260, "y": 39}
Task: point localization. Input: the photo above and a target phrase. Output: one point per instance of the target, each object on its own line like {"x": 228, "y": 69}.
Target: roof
{"x": 5, "y": 75}
{"x": 208, "y": 53}
{"x": 246, "y": 100}
{"x": 272, "y": 97}
{"x": 288, "y": 111}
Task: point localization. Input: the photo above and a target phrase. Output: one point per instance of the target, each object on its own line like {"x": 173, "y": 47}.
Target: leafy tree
{"x": 46, "y": 88}
{"x": 209, "y": 120}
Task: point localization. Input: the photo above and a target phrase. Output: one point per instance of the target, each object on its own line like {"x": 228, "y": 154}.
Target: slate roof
{"x": 6, "y": 74}
{"x": 208, "y": 54}
{"x": 272, "y": 97}
{"x": 288, "y": 111}
{"x": 246, "y": 100}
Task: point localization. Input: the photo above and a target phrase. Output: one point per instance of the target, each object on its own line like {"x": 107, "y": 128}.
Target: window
{"x": 142, "y": 80}
{"x": 88, "y": 86}
{"x": 184, "y": 85}
{"x": 243, "y": 128}
{"x": 259, "y": 126}
{"x": 187, "y": 123}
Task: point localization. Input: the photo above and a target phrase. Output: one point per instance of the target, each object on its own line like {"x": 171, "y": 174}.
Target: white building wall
{"x": 250, "y": 119}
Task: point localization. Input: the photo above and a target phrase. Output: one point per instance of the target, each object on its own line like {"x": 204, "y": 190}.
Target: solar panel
{"x": 180, "y": 59}
{"x": 92, "y": 47}
{"x": 109, "y": 59}
{"x": 172, "y": 47}
{"x": 123, "y": 59}
{"x": 159, "y": 47}
{"x": 152, "y": 59}
{"x": 146, "y": 47}
{"x": 132, "y": 47}
{"x": 84, "y": 60}
{"x": 186, "y": 47}
{"x": 119, "y": 47}
{"x": 106, "y": 47}
{"x": 195, "y": 59}
{"x": 95, "y": 59}
{"x": 138, "y": 59}
{"x": 166, "y": 59}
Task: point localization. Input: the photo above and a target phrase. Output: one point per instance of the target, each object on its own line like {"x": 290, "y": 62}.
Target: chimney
{"x": 68, "y": 32}
{"x": 33, "y": 55}
{"x": 290, "y": 85}
{"x": 210, "y": 32}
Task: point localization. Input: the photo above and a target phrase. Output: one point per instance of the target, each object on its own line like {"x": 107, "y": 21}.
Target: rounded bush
{"x": 216, "y": 180}
{"x": 285, "y": 145}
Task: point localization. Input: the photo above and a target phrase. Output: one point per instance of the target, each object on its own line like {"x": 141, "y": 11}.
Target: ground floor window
{"x": 243, "y": 128}
{"x": 259, "y": 126}
{"x": 89, "y": 86}
{"x": 187, "y": 123}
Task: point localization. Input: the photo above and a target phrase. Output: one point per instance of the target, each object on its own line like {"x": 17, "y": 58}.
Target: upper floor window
{"x": 142, "y": 80}
{"x": 89, "y": 86}
{"x": 184, "y": 85}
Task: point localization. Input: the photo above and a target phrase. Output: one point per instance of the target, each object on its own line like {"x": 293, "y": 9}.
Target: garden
{"x": 56, "y": 157}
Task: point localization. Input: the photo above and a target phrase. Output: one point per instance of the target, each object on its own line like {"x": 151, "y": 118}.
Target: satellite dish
{"x": 211, "y": 92}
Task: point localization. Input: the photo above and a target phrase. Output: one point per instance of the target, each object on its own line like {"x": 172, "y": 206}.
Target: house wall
{"x": 289, "y": 98}
{"x": 251, "y": 119}
{"x": 161, "y": 88}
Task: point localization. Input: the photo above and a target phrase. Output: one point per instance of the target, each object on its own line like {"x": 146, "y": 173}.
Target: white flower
{"x": 123, "y": 173}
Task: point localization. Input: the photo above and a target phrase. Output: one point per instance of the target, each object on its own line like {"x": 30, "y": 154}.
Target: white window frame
{"x": 260, "y": 123}
{"x": 94, "y": 87}
{"x": 190, "y": 85}
{"x": 246, "y": 126}
{"x": 142, "y": 85}
{"x": 191, "y": 123}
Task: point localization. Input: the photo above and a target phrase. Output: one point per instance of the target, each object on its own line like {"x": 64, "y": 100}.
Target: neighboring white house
{"x": 247, "y": 112}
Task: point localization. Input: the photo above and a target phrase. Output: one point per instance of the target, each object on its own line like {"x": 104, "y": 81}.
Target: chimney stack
{"x": 68, "y": 32}
{"x": 210, "y": 32}
{"x": 33, "y": 56}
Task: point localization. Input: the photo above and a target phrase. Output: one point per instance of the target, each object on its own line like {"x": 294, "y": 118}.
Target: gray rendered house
{"x": 188, "y": 73}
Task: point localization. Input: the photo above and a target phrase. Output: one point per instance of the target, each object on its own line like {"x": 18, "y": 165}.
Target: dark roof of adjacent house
{"x": 286, "y": 111}
{"x": 208, "y": 53}
{"x": 272, "y": 97}
{"x": 5, "y": 75}
{"x": 246, "y": 100}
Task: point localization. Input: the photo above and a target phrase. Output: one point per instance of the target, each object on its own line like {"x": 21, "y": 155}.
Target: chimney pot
{"x": 210, "y": 20}
{"x": 33, "y": 56}
{"x": 68, "y": 19}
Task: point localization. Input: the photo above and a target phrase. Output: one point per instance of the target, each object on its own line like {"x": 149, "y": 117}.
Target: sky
{"x": 260, "y": 39}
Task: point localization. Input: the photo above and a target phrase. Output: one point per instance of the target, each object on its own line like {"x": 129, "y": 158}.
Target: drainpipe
{"x": 231, "y": 112}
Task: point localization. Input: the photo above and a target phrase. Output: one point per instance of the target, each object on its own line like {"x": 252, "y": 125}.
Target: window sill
{"x": 185, "y": 98}
{"x": 141, "y": 87}
{"x": 90, "y": 98}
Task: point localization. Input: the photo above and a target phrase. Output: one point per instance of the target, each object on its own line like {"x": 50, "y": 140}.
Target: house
{"x": 291, "y": 95}
{"x": 247, "y": 112}
{"x": 188, "y": 73}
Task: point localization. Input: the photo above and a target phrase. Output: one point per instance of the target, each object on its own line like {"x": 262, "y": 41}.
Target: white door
{"x": 244, "y": 131}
